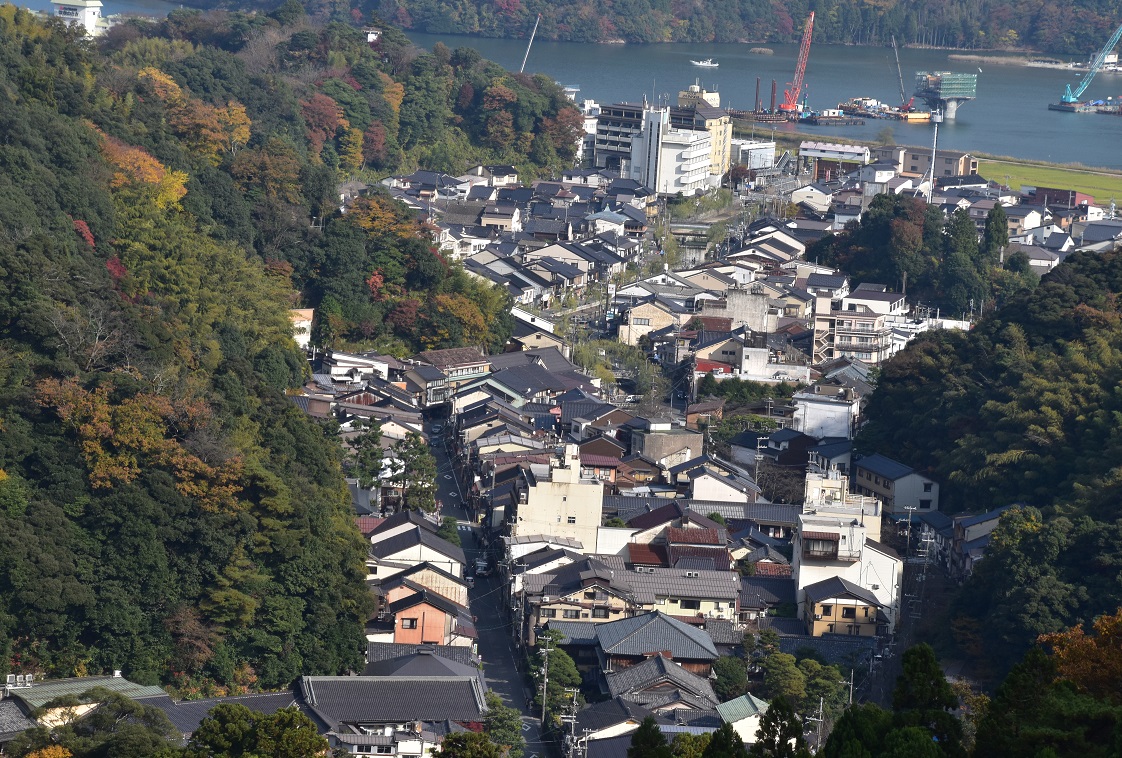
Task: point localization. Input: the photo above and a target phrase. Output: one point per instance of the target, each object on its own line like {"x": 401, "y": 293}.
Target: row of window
{"x": 847, "y": 611}
{"x": 551, "y": 613}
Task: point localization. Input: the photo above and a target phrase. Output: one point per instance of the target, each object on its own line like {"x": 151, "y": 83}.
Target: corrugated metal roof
{"x": 741, "y": 708}
{"x": 43, "y": 692}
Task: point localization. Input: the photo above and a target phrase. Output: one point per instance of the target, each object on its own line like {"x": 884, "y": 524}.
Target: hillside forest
{"x": 167, "y": 193}
{"x": 1022, "y": 411}
{"x": 1078, "y": 28}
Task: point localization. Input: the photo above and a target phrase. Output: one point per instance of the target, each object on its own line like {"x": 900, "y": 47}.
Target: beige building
{"x": 916, "y": 161}
{"x": 695, "y": 95}
{"x": 858, "y": 325}
{"x": 557, "y": 502}
{"x": 647, "y": 317}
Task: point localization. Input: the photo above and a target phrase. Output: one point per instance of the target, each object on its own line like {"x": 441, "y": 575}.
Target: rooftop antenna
{"x": 527, "y": 55}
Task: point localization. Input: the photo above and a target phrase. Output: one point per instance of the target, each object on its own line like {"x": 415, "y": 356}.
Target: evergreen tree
{"x": 995, "y": 235}
{"x": 648, "y": 741}
{"x": 504, "y": 726}
{"x": 780, "y": 734}
{"x": 725, "y": 743}
{"x": 732, "y": 677}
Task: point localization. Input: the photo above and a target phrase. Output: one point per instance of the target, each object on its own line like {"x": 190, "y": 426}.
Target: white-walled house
{"x": 900, "y": 487}
{"x": 744, "y": 714}
{"x": 825, "y": 411}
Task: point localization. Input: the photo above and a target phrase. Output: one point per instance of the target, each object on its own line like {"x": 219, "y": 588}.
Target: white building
{"x": 836, "y": 536}
{"x": 755, "y": 154}
{"x": 825, "y": 411}
{"x": 84, "y": 13}
{"x": 670, "y": 160}
{"x": 901, "y": 488}
{"x": 558, "y": 502}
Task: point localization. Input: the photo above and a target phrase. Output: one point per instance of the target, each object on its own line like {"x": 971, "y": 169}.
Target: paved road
{"x": 488, "y": 600}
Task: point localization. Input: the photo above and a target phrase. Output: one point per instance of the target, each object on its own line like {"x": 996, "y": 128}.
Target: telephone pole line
{"x": 545, "y": 651}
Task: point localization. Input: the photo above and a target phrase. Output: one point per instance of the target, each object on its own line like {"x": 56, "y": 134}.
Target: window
{"x": 572, "y": 614}
{"x": 927, "y": 486}
{"x": 409, "y": 623}
{"x": 691, "y": 605}
{"x": 571, "y": 520}
{"x": 599, "y": 613}
{"x": 590, "y": 595}
{"x": 385, "y": 750}
{"x": 827, "y": 610}
{"x": 925, "y": 505}
{"x": 548, "y": 613}
{"x": 641, "y": 321}
{"x": 660, "y": 601}
{"x": 849, "y": 613}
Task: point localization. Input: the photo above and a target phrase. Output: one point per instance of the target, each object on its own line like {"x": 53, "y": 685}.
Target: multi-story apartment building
{"x": 554, "y": 500}
{"x": 669, "y": 159}
{"x": 858, "y": 325}
{"x": 616, "y": 127}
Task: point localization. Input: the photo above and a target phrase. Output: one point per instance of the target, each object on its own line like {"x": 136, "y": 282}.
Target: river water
{"x": 1010, "y": 116}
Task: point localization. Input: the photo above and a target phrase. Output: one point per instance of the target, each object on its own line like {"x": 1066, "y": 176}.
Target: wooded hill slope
{"x": 164, "y": 508}
{"x": 1024, "y": 409}
{"x": 1081, "y": 27}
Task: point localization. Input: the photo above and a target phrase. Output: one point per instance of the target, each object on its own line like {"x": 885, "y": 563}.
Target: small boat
{"x": 707, "y": 63}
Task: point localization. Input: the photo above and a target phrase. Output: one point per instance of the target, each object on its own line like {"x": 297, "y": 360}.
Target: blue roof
{"x": 995, "y": 513}
{"x": 884, "y": 466}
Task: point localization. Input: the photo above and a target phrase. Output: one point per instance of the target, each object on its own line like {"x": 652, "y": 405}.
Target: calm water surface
{"x": 1010, "y": 116}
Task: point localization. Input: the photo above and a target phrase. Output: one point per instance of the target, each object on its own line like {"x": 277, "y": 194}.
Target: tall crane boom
{"x": 899, "y": 74}
{"x": 1073, "y": 97}
{"x": 791, "y": 96}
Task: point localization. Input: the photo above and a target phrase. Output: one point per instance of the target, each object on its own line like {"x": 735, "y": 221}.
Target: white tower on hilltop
{"x": 84, "y": 13}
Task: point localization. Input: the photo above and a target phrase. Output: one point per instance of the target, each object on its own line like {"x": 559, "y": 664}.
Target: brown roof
{"x": 452, "y": 357}
{"x": 707, "y": 407}
{"x": 647, "y": 555}
{"x": 830, "y": 536}
{"x": 678, "y": 535}
{"x": 773, "y": 569}
{"x": 367, "y": 524}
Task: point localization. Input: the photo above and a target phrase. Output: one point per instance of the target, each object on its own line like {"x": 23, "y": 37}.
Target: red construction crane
{"x": 791, "y": 96}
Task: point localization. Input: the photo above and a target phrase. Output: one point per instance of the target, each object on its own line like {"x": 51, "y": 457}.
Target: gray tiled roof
{"x": 766, "y": 591}
{"x": 883, "y": 466}
{"x": 12, "y": 720}
{"x": 836, "y": 586}
{"x": 421, "y": 663}
{"x": 46, "y": 691}
{"x": 664, "y": 582}
{"x": 186, "y": 715}
{"x": 576, "y": 632}
{"x": 654, "y": 631}
{"x": 384, "y": 651}
{"x": 399, "y": 542}
{"x": 609, "y": 713}
{"x": 349, "y": 699}
{"x": 627, "y": 681}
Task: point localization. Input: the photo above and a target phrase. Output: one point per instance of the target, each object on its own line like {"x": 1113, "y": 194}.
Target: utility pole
{"x": 545, "y": 651}
{"x": 572, "y": 719}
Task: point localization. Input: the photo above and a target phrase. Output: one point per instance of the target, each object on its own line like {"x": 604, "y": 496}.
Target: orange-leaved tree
{"x": 1092, "y": 662}
{"x": 118, "y": 439}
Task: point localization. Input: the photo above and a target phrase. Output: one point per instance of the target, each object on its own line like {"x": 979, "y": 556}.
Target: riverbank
{"x": 1013, "y": 60}
{"x": 1103, "y": 184}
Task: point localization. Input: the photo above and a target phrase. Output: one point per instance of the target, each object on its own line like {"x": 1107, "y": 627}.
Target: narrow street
{"x": 488, "y": 599}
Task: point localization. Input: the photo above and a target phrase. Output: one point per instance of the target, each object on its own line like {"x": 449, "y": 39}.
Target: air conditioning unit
{"x": 875, "y": 586}
{"x": 692, "y": 574}
{"x": 818, "y": 617}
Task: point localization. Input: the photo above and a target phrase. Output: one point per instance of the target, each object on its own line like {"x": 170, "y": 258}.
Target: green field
{"x": 1100, "y": 184}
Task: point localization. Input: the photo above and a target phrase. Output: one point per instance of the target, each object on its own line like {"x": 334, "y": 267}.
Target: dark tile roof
{"x": 883, "y": 466}
{"x": 694, "y": 536}
{"x": 723, "y": 632}
{"x": 631, "y": 679}
{"x": 424, "y": 662}
{"x": 399, "y": 542}
{"x": 13, "y": 721}
{"x": 580, "y": 633}
{"x": 766, "y": 591}
{"x": 186, "y": 715}
{"x": 654, "y": 631}
{"x": 611, "y": 712}
{"x": 384, "y": 651}
{"x": 836, "y": 586}
{"x": 405, "y": 517}
{"x": 351, "y": 699}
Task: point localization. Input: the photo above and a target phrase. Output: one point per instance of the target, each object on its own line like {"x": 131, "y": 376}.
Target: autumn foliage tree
{"x": 1092, "y": 662}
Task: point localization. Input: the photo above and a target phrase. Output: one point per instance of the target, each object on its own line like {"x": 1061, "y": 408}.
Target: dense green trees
{"x": 996, "y": 23}
{"x": 1021, "y": 410}
{"x": 648, "y": 741}
{"x": 504, "y": 726}
{"x": 902, "y": 242}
